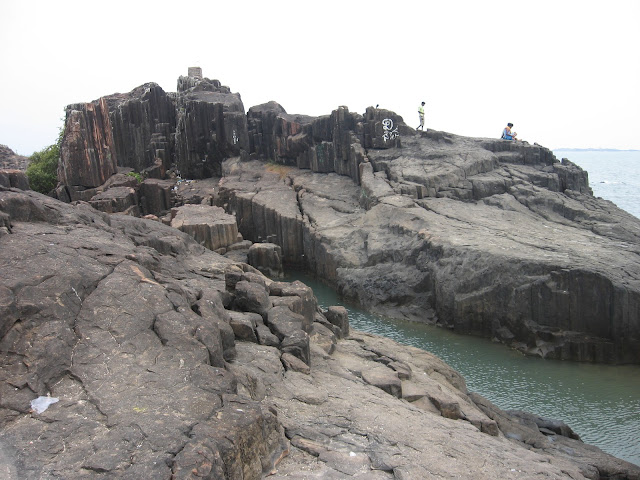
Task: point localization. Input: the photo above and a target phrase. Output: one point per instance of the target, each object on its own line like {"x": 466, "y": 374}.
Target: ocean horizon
{"x": 614, "y": 175}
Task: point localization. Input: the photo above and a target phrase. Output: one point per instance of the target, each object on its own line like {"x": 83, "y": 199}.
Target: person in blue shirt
{"x": 507, "y": 134}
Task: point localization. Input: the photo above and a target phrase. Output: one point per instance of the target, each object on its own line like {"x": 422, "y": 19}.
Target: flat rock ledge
{"x": 166, "y": 360}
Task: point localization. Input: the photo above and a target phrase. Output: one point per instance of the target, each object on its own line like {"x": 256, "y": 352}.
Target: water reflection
{"x": 600, "y": 402}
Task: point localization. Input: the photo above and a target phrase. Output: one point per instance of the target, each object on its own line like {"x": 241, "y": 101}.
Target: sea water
{"x": 601, "y": 403}
{"x": 613, "y": 174}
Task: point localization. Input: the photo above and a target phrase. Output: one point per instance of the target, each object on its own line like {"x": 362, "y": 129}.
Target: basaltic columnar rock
{"x": 485, "y": 236}
{"x": 150, "y": 347}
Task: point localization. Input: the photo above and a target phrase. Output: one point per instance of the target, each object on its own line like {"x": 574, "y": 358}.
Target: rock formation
{"x": 484, "y": 236}
{"x": 14, "y": 178}
{"x": 9, "y": 160}
{"x": 507, "y": 244}
{"x": 130, "y": 351}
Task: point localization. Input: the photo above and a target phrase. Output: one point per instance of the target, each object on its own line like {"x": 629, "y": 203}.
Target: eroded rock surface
{"x": 9, "y": 160}
{"x": 488, "y": 237}
{"x": 170, "y": 361}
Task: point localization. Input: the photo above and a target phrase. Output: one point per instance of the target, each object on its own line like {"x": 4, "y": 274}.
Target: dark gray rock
{"x": 127, "y": 336}
{"x": 155, "y": 196}
{"x": 116, "y": 200}
{"x": 244, "y": 326}
{"x": 13, "y": 178}
{"x": 303, "y": 301}
{"x": 9, "y": 160}
{"x": 338, "y": 316}
{"x": 124, "y": 321}
{"x": 209, "y": 226}
{"x": 324, "y": 338}
{"x": 211, "y": 126}
{"x": 252, "y": 297}
{"x": 547, "y": 426}
{"x": 490, "y": 238}
{"x": 297, "y": 344}
{"x": 266, "y": 337}
{"x": 266, "y": 257}
{"x": 385, "y": 379}
{"x": 283, "y": 322}
{"x": 143, "y": 123}
{"x": 293, "y": 363}
{"x": 87, "y": 152}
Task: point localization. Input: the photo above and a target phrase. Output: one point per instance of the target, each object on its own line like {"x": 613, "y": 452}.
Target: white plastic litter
{"x": 40, "y": 404}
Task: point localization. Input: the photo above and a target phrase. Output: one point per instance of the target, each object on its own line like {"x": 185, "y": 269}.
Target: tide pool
{"x": 600, "y": 402}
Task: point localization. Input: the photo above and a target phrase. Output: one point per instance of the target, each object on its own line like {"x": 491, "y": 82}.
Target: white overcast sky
{"x": 565, "y": 72}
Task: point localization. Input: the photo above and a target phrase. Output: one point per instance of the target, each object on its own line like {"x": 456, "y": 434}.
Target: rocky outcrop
{"x": 211, "y": 126}
{"x": 209, "y": 226}
{"x": 87, "y": 151}
{"x": 266, "y": 257}
{"x": 376, "y": 409}
{"x": 143, "y": 125}
{"x": 131, "y": 351}
{"x": 14, "y": 179}
{"x": 151, "y": 131}
{"x": 488, "y": 237}
{"x": 202, "y": 125}
{"x": 9, "y": 160}
{"x": 88, "y": 298}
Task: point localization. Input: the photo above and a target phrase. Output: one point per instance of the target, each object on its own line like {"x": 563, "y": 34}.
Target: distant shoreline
{"x": 593, "y": 150}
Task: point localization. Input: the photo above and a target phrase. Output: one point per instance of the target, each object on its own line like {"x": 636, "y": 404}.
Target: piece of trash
{"x": 40, "y": 404}
{"x": 352, "y": 454}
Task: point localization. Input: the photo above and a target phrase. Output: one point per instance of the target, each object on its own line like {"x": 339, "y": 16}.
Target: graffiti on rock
{"x": 389, "y": 132}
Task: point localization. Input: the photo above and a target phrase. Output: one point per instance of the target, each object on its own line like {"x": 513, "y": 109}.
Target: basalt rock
{"x": 14, "y": 178}
{"x": 127, "y": 323}
{"x": 156, "y": 196}
{"x": 87, "y": 152}
{"x": 211, "y": 126}
{"x": 143, "y": 124}
{"x": 210, "y": 226}
{"x": 116, "y": 200}
{"x": 266, "y": 257}
{"x": 151, "y": 131}
{"x": 488, "y": 237}
{"x": 9, "y": 160}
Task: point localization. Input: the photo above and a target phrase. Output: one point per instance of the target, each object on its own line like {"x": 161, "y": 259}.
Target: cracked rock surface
{"x": 343, "y": 425}
{"x": 169, "y": 361}
{"x": 491, "y": 238}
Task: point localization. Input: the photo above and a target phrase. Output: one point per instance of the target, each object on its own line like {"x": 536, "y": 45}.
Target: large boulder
{"x": 115, "y": 200}
{"x": 266, "y": 257}
{"x": 209, "y": 226}
{"x": 14, "y": 179}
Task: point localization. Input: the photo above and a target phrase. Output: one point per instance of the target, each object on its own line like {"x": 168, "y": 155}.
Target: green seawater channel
{"x": 601, "y": 403}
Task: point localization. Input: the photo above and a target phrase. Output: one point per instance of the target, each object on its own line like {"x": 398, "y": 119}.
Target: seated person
{"x": 507, "y": 134}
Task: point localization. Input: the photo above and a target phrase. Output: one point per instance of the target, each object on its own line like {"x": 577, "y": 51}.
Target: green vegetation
{"x": 43, "y": 167}
{"x": 138, "y": 176}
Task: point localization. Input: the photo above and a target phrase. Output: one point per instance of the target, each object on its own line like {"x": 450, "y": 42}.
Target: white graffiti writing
{"x": 235, "y": 138}
{"x": 389, "y": 132}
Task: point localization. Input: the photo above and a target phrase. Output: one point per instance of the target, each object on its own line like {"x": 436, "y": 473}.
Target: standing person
{"x": 507, "y": 134}
{"x": 421, "y": 115}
